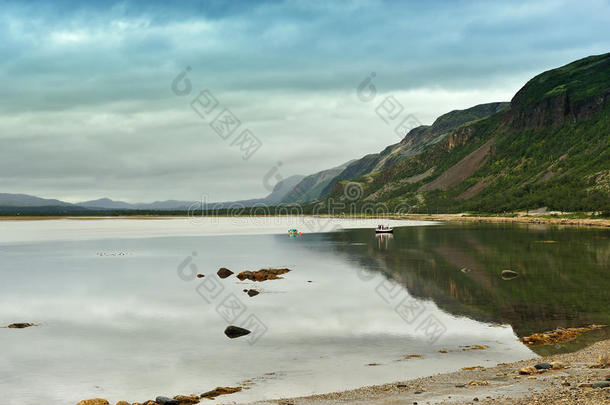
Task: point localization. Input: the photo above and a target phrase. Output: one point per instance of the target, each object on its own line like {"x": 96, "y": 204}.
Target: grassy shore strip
{"x": 501, "y": 384}
{"x": 545, "y": 220}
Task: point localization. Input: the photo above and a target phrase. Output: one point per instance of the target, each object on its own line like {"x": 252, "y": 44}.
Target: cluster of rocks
{"x": 541, "y": 367}
{"x": 177, "y": 400}
{"x": 231, "y": 332}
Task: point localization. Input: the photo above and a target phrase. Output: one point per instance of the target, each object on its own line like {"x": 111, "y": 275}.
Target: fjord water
{"x": 120, "y": 317}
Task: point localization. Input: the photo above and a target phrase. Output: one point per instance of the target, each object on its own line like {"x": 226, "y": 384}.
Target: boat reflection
{"x": 383, "y": 240}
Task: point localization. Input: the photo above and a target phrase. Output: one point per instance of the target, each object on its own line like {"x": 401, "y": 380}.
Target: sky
{"x": 93, "y": 103}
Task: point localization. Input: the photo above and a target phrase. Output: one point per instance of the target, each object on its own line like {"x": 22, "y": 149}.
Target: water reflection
{"x": 383, "y": 240}
{"x": 107, "y": 316}
{"x": 563, "y": 272}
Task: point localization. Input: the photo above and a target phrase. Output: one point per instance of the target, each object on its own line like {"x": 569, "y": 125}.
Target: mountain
{"x": 415, "y": 142}
{"x": 15, "y": 203}
{"x": 24, "y": 200}
{"x": 310, "y": 187}
{"x": 106, "y": 203}
{"x": 282, "y": 188}
{"x": 549, "y": 148}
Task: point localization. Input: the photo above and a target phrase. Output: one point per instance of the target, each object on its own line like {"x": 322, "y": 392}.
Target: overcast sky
{"x": 87, "y": 108}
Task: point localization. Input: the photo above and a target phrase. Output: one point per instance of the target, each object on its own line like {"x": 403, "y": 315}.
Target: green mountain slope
{"x": 550, "y": 148}
{"x": 416, "y": 141}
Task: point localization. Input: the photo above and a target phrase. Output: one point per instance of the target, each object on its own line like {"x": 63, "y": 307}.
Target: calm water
{"x": 120, "y": 318}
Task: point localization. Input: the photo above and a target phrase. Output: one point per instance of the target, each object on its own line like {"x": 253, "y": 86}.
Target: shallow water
{"x": 121, "y": 318}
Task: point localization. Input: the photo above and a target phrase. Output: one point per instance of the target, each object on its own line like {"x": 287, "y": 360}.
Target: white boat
{"x": 384, "y": 229}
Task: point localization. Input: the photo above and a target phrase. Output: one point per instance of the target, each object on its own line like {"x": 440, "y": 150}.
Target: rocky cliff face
{"x": 572, "y": 93}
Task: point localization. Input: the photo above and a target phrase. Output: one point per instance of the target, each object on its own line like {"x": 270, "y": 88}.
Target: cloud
{"x": 86, "y": 108}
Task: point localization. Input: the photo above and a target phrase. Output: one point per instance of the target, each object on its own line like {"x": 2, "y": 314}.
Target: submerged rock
{"x": 262, "y": 274}
{"x": 557, "y": 336}
{"x": 509, "y": 274}
{"x": 233, "y": 332}
{"x": 252, "y": 293}
{"x": 94, "y": 401}
{"x": 200, "y": 275}
{"x": 224, "y": 272}
{"x": 220, "y": 391}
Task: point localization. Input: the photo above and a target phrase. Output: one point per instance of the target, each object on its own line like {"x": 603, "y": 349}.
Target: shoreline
{"x": 569, "y": 383}
{"x": 538, "y": 220}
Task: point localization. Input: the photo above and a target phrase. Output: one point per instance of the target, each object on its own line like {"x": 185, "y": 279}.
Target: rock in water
{"x": 509, "y": 274}
{"x": 20, "y": 325}
{"x": 252, "y": 293}
{"x": 166, "y": 401}
{"x": 224, "y": 273}
{"x": 262, "y": 274}
{"x": 94, "y": 401}
{"x": 220, "y": 391}
{"x": 543, "y": 366}
{"x": 233, "y": 332}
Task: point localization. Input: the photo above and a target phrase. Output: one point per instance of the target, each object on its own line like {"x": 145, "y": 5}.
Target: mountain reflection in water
{"x": 563, "y": 273}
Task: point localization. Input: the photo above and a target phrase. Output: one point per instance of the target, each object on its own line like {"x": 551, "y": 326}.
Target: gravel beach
{"x": 571, "y": 382}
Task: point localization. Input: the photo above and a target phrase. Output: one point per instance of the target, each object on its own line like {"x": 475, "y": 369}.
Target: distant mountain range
{"x": 550, "y": 146}
{"x": 11, "y": 202}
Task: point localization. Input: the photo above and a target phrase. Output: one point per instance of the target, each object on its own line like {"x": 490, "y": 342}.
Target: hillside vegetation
{"x": 549, "y": 148}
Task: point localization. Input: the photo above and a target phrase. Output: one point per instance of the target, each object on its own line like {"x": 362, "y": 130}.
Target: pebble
{"x": 166, "y": 401}
{"x": 543, "y": 366}
{"x": 528, "y": 370}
